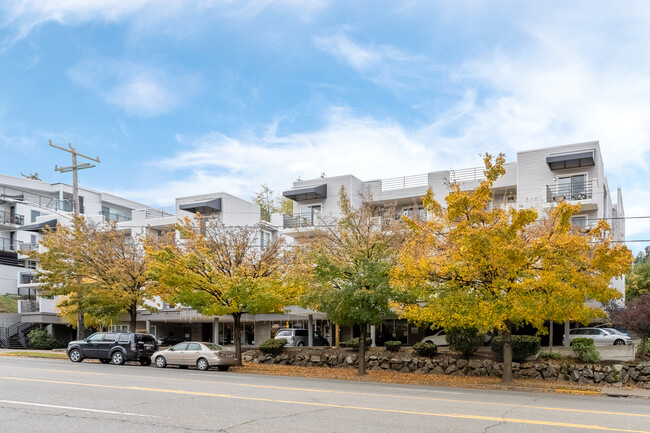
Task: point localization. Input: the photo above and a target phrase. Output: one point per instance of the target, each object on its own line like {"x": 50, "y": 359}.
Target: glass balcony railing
{"x": 115, "y": 217}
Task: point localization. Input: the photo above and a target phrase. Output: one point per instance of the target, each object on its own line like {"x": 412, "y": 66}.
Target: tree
{"x": 220, "y": 270}
{"x": 637, "y": 280}
{"x": 269, "y": 203}
{"x": 99, "y": 269}
{"x": 636, "y": 317}
{"x": 475, "y": 265}
{"x": 352, "y": 257}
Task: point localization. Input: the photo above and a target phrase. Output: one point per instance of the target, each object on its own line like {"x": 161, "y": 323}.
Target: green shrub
{"x": 425, "y": 349}
{"x": 354, "y": 343}
{"x": 39, "y": 339}
{"x": 523, "y": 346}
{"x": 393, "y": 346}
{"x": 272, "y": 346}
{"x": 464, "y": 340}
{"x": 586, "y": 349}
{"x": 553, "y": 355}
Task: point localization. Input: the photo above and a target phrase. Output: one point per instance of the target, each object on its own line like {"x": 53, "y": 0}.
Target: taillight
{"x": 133, "y": 346}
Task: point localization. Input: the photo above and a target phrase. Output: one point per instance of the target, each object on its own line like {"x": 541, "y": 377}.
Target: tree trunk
{"x": 507, "y": 356}
{"x": 81, "y": 326}
{"x": 362, "y": 351}
{"x": 550, "y": 338}
{"x": 237, "y": 333}
{"x": 133, "y": 315}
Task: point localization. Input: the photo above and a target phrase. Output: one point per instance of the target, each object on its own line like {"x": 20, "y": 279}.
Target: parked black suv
{"x": 117, "y": 347}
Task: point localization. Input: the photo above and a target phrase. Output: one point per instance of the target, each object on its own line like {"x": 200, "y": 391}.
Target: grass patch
{"x": 51, "y": 355}
{"x": 8, "y": 304}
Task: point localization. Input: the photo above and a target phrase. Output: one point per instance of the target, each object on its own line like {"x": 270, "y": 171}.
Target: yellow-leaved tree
{"x": 472, "y": 265}
{"x": 223, "y": 270}
{"x": 100, "y": 271}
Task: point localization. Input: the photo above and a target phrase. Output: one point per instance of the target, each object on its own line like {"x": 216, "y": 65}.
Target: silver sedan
{"x": 203, "y": 355}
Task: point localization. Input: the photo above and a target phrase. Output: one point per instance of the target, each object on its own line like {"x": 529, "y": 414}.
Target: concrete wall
{"x": 8, "y": 279}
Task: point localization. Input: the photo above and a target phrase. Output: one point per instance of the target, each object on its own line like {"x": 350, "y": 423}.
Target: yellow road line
{"x": 335, "y": 406}
{"x": 368, "y": 394}
{"x": 324, "y": 391}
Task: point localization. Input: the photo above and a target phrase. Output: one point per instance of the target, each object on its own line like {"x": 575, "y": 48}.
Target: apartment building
{"x": 28, "y": 207}
{"x": 536, "y": 179}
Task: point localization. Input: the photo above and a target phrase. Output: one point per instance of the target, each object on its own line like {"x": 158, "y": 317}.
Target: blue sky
{"x": 181, "y": 98}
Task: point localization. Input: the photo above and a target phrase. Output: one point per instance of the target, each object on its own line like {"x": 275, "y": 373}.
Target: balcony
{"x": 467, "y": 174}
{"x": 27, "y": 279}
{"x": 159, "y": 213}
{"x": 11, "y": 219}
{"x": 9, "y": 245}
{"x": 305, "y": 219}
{"x": 115, "y": 217}
{"x": 571, "y": 192}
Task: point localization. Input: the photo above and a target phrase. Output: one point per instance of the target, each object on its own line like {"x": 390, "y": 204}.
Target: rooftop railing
{"x": 404, "y": 182}
{"x": 159, "y": 213}
{"x": 465, "y": 174}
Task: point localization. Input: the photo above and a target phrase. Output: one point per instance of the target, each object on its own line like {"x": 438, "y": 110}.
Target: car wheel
{"x": 223, "y": 367}
{"x": 202, "y": 364}
{"x": 118, "y": 358}
{"x": 75, "y": 355}
{"x": 104, "y": 360}
{"x": 145, "y": 361}
{"x": 300, "y": 344}
{"x": 619, "y": 343}
{"x": 161, "y": 362}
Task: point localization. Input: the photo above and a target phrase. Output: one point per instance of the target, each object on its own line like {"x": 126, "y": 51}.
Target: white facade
{"x": 537, "y": 179}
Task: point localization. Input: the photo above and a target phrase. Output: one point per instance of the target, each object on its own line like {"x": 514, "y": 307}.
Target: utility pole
{"x": 74, "y": 168}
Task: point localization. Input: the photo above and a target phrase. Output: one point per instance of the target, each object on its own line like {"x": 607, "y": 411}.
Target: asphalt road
{"x": 38, "y": 395}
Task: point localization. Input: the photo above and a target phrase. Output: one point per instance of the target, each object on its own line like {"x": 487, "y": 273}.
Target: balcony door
{"x": 573, "y": 187}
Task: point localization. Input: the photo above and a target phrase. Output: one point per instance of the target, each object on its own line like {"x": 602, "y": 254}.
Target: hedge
{"x": 523, "y": 346}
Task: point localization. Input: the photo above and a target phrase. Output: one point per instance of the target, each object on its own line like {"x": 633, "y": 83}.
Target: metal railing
{"x": 7, "y": 217}
{"x": 17, "y": 330}
{"x": 569, "y": 192}
{"x": 115, "y": 217}
{"x": 28, "y": 246}
{"x": 305, "y": 219}
{"x": 158, "y": 213}
{"x": 28, "y": 306}
{"x": 9, "y": 245}
{"x": 27, "y": 279}
{"x": 404, "y": 182}
{"x": 465, "y": 174}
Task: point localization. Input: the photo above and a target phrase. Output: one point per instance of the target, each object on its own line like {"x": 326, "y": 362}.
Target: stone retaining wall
{"x": 611, "y": 374}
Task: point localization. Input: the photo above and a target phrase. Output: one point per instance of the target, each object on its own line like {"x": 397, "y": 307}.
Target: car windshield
{"x": 213, "y": 346}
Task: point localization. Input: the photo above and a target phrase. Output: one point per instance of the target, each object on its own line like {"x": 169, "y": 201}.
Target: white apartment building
{"x": 28, "y": 206}
{"x": 537, "y": 178}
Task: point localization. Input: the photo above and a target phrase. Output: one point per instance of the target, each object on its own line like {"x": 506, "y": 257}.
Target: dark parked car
{"x": 171, "y": 341}
{"x": 298, "y": 337}
{"x": 116, "y": 347}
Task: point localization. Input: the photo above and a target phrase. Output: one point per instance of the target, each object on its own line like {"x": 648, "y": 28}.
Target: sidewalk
{"x": 396, "y": 377}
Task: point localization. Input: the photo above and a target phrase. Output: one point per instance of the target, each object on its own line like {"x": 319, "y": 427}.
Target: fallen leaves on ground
{"x": 412, "y": 378}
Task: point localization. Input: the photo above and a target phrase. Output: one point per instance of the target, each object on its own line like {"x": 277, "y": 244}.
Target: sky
{"x": 188, "y": 97}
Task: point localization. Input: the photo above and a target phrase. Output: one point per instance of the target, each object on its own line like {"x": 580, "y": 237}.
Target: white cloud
{"x": 384, "y": 65}
{"x": 136, "y": 89}
{"x": 22, "y": 17}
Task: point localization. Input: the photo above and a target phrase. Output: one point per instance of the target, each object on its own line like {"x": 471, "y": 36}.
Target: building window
{"x": 34, "y": 215}
{"x": 118, "y": 328}
{"x": 579, "y": 221}
{"x": 265, "y": 240}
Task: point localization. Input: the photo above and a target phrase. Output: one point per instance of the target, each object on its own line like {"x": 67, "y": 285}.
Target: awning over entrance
{"x": 203, "y": 207}
{"x": 573, "y": 160}
{"x": 310, "y": 193}
{"x": 40, "y": 227}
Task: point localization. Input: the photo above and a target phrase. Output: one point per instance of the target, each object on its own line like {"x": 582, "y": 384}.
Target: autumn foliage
{"x": 473, "y": 265}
